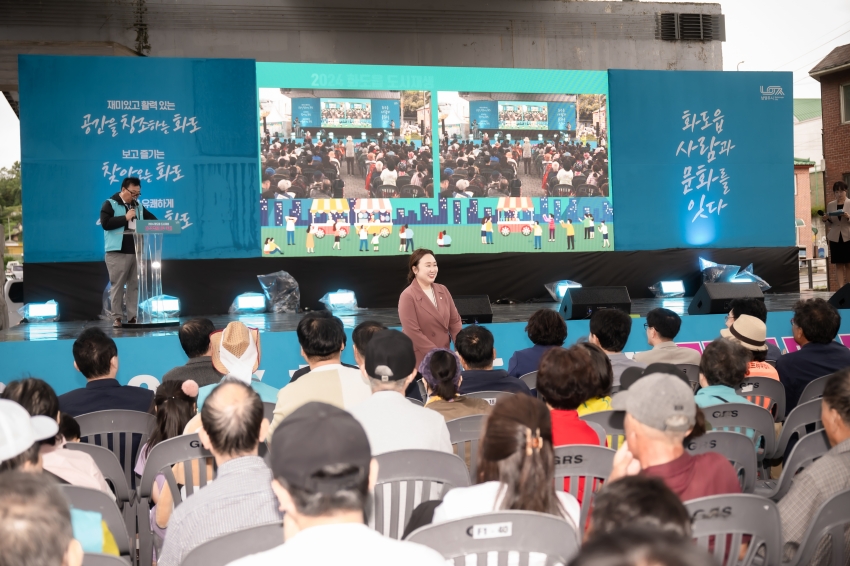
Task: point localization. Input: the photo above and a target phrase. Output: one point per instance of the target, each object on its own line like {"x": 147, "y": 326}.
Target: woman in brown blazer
{"x": 427, "y": 312}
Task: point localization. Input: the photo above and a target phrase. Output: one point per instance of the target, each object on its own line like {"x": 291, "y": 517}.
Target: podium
{"x": 148, "y": 239}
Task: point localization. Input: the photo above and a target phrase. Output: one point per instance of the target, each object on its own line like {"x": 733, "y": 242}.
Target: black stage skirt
{"x": 839, "y": 252}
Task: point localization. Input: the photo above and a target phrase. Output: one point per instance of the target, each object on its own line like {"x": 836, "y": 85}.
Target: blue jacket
{"x": 527, "y": 360}
{"x": 810, "y": 362}
{"x": 105, "y": 395}
{"x": 475, "y": 380}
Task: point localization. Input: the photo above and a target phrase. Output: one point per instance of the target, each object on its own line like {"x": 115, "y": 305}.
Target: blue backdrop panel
{"x": 52, "y": 360}
{"x": 485, "y": 112}
{"x": 186, "y": 127}
{"x": 703, "y": 159}
{"x": 384, "y": 112}
{"x": 561, "y": 115}
{"x": 308, "y": 111}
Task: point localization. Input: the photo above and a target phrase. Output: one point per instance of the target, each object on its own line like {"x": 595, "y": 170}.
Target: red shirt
{"x": 568, "y": 428}
{"x": 702, "y": 475}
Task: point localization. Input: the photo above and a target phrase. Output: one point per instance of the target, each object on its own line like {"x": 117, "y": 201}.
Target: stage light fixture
{"x": 162, "y": 306}
{"x": 668, "y": 289}
{"x": 559, "y": 288}
{"x": 40, "y": 312}
{"x": 249, "y": 303}
{"x": 340, "y": 301}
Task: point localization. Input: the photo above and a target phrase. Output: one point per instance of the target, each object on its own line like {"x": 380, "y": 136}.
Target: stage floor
{"x": 273, "y": 322}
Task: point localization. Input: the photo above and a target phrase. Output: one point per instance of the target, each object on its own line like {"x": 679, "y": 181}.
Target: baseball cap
{"x": 632, "y": 374}
{"x": 661, "y": 401}
{"x": 19, "y": 431}
{"x": 390, "y": 356}
{"x": 314, "y": 436}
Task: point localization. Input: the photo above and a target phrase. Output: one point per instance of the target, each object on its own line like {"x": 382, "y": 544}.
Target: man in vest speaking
{"x": 118, "y": 218}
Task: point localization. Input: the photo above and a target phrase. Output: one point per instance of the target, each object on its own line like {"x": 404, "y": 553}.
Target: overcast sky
{"x": 768, "y": 35}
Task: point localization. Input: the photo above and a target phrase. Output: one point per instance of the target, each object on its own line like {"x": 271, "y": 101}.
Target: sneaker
{"x": 116, "y": 323}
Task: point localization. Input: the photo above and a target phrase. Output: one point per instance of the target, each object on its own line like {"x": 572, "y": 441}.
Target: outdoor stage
{"x": 44, "y": 350}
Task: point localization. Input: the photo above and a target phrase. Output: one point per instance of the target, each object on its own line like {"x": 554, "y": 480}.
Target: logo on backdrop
{"x": 772, "y": 93}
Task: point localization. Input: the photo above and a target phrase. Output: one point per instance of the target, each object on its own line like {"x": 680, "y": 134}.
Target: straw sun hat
{"x": 235, "y": 338}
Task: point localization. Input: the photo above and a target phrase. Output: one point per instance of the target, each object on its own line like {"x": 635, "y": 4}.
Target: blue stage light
{"x": 250, "y": 303}
{"x": 162, "y": 306}
{"x": 40, "y": 312}
{"x": 340, "y": 301}
{"x": 668, "y": 289}
{"x": 559, "y": 288}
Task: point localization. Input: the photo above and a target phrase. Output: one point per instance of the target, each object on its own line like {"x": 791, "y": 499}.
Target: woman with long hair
{"x": 174, "y": 405}
{"x": 516, "y": 467}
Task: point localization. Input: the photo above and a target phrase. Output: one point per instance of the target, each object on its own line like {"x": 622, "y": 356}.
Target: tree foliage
{"x": 10, "y": 185}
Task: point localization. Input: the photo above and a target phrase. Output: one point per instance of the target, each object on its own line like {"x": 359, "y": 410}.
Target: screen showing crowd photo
{"x": 346, "y": 113}
{"x": 524, "y": 115}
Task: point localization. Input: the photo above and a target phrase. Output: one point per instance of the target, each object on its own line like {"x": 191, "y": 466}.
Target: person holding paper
{"x": 118, "y": 219}
{"x": 839, "y": 232}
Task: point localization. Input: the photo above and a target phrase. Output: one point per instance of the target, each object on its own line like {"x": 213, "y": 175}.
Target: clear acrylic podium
{"x": 148, "y": 239}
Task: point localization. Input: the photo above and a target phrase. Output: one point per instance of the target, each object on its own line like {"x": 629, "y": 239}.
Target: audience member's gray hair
{"x": 232, "y": 416}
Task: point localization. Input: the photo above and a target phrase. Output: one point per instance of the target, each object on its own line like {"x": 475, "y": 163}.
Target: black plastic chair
{"x": 612, "y": 422}
{"x": 465, "y": 434}
{"x": 561, "y": 191}
{"x": 721, "y": 522}
{"x": 807, "y": 450}
{"x": 830, "y": 521}
{"x": 503, "y": 532}
{"x": 737, "y": 448}
{"x": 407, "y": 478}
{"x": 767, "y": 393}
{"x": 95, "y": 500}
{"x": 591, "y": 463}
{"x": 225, "y": 549}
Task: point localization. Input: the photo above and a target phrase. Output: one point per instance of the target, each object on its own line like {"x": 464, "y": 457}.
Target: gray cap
{"x": 661, "y": 401}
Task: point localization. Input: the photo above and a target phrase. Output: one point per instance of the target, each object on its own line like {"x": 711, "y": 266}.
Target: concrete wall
{"x": 546, "y": 34}
{"x": 808, "y": 141}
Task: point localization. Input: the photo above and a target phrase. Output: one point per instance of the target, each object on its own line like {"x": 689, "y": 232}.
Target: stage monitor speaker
{"x": 841, "y": 298}
{"x": 474, "y": 309}
{"x": 714, "y": 298}
{"x": 581, "y": 302}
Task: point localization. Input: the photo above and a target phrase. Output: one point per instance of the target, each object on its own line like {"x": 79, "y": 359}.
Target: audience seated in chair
{"x": 236, "y": 355}
{"x": 20, "y": 455}
{"x": 241, "y": 495}
{"x": 546, "y": 329}
{"x": 565, "y": 380}
{"x": 662, "y": 326}
{"x": 609, "y": 329}
{"x": 174, "y": 405}
{"x": 638, "y": 501}
{"x": 477, "y": 352}
{"x": 603, "y": 376}
{"x": 96, "y": 357}
{"x": 323, "y": 473}
{"x": 631, "y": 375}
{"x": 825, "y": 477}
{"x": 35, "y": 523}
{"x": 722, "y": 368}
{"x": 516, "y": 467}
{"x": 441, "y": 372}
{"x": 815, "y": 326}
{"x": 641, "y": 547}
{"x": 660, "y": 414}
{"x": 391, "y": 421}
{"x": 322, "y": 339}
{"x": 361, "y": 335}
{"x": 756, "y": 308}
{"x": 71, "y": 466}
{"x": 751, "y": 333}
{"x": 194, "y": 337}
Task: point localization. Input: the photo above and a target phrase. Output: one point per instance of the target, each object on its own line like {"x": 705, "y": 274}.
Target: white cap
{"x": 19, "y": 431}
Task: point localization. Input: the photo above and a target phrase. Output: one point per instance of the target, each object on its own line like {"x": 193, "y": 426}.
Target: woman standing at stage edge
{"x": 839, "y": 233}
{"x": 426, "y": 309}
